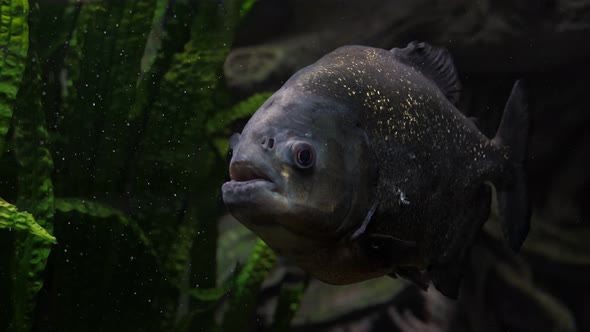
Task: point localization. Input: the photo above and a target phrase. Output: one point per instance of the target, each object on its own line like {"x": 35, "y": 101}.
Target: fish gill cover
{"x": 112, "y": 153}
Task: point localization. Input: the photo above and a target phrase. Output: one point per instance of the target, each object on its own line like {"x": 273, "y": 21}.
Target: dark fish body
{"x": 402, "y": 180}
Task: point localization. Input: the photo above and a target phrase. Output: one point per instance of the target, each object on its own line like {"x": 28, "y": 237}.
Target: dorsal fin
{"x": 435, "y": 63}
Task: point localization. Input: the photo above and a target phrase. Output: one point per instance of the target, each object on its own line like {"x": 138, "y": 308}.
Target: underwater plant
{"x": 114, "y": 127}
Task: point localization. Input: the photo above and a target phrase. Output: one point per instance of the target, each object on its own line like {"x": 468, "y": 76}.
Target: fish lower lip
{"x": 249, "y": 194}
{"x": 249, "y": 183}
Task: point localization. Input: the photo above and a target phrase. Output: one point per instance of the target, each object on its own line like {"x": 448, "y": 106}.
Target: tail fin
{"x": 513, "y": 199}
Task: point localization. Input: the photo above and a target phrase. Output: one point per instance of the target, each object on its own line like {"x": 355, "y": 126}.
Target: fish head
{"x": 301, "y": 172}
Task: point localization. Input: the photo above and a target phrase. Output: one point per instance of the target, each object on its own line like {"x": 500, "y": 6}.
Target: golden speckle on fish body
{"x": 285, "y": 173}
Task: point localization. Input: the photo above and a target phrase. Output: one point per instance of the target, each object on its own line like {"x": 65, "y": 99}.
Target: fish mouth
{"x": 247, "y": 178}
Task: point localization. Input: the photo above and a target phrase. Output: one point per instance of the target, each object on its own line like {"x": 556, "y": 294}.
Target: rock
{"x": 485, "y": 36}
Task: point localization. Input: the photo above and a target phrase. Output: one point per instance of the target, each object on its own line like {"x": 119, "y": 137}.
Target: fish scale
{"x": 433, "y": 132}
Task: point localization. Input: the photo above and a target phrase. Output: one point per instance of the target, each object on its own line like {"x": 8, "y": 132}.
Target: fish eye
{"x": 303, "y": 155}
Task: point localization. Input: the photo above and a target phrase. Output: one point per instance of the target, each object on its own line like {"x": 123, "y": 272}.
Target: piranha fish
{"x": 362, "y": 166}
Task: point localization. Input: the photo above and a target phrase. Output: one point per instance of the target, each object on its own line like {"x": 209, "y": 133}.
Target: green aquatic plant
{"x": 102, "y": 211}
{"x": 217, "y": 126}
{"x": 14, "y": 43}
{"x": 192, "y": 106}
{"x": 35, "y": 190}
{"x": 12, "y": 219}
{"x": 287, "y": 306}
{"x": 241, "y": 312}
{"x": 97, "y": 210}
{"x": 102, "y": 66}
{"x": 246, "y": 6}
{"x": 115, "y": 152}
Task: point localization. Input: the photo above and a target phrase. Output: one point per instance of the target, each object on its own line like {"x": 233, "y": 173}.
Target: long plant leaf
{"x": 287, "y": 306}
{"x": 100, "y": 210}
{"x": 176, "y": 152}
{"x": 242, "y": 307}
{"x": 14, "y": 44}
{"x": 102, "y": 68}
{"x": 90, "y": 78}
{"x": 218, "y": 124}
{"x": 12, "y": 219}
{"x": 35, "y": 189}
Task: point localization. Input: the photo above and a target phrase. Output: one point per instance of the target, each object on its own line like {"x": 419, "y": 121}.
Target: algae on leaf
{"x": 14, "y": 43}
{"x": 12, "y": 219}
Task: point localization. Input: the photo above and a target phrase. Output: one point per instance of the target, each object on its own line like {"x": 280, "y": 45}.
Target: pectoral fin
{"x": 361, "y": 230}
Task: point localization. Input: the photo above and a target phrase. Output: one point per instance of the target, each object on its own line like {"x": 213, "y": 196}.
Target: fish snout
{"x": 244, "y": 170}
